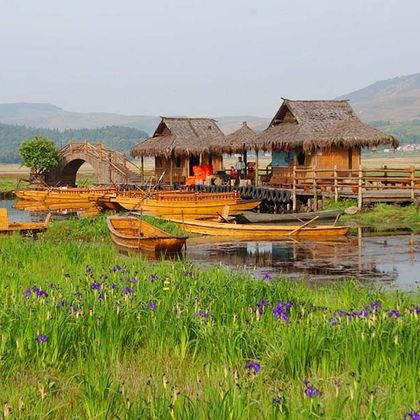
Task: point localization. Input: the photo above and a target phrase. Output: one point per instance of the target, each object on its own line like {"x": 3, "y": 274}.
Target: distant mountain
{"x": 40, "y": 115}
{"x": 394, "y": 100}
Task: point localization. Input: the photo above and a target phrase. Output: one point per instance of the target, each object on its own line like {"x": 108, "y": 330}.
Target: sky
{"x": 200, "y": 57}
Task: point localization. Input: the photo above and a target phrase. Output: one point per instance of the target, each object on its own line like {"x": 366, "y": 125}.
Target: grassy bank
{"x": 90, "y": 332}
{"x": 381, "y": 217}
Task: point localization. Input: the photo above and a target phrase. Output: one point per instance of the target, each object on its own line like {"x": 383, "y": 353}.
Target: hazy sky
{"x": 200, "y": 57}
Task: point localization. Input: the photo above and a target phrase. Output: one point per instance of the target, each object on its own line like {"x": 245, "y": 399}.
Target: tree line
{"x": 116, "y": 137}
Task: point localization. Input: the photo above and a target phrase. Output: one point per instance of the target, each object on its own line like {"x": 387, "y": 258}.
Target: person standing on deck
{"x": 240, "y": 169}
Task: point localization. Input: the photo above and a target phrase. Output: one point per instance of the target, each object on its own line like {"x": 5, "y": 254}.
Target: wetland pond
{"x": 386, "y": 260}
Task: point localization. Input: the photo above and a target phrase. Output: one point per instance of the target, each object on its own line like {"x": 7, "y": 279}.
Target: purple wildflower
{"x": 310, "y": 391}
{"x": 133, "y": 280}
{"x": 113, "y": 286}
{"x": 280, "y": 311}
{"x": 375, "y": 304}
{"x": 277, "y": 400}
{"x": 40, "y": 293}
{"x": 394, "y": 312}
{"x": 95, "y": 286}
{"x": 152, "y": 277}
{"x": 255, "y": 366}
{"x": 340, "y": 313}
{"x": 101, "y": 297}
{"x": 412, "y": 415}
{"x": 202, "y": 314}
{"x": 89, "y": 270}
{"x": 27, "y": 292}
{"x": 151, "y": 306}
{"x": 61, "y": 303}
{"x": 42, "y": 338}
{"x": 267, "y": 276}
{"x": 261, "y": 305}
{"x": 333, "y": 321}
{"x": 116, "y": 268}
{"x": 128, "y": 291}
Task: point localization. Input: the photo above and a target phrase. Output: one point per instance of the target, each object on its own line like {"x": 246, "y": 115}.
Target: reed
{"x": 90, "y": 333}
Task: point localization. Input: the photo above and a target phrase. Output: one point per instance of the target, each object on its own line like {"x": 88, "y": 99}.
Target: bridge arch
{"x": 109, "y": 165}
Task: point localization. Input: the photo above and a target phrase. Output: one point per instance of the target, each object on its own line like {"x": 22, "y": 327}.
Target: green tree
{"x": 39, "y": 154}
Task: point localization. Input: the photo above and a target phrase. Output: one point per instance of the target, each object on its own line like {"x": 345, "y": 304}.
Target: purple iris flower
{"x": 310, "y": 391}
{"x": 277, "y": 400}
{"x": 280, "y": 311}
{"x": 252, "y": 365}
{"x": 128, "y": 291}
{"x": 152, "y": 277}
{"x": 89, "y": 270}
{"x": 27, "y": 292}
{"x": 394, "y": 312}
{"x": 151, "y": 306}
{"x": 42, "y": 338}
{"x": 61, "y": 303}
{"x": 267, "y": 276}
{"x": 202, "y": 314}
{"x": 340, "y": 313}
{"x": 113, "y": 286}
{"x": 116, "y": 268}
{"x": 375, "y": 304}
{"x": 95, "y": 286}
{"x": 101, "y": 297}
{"x": 261, "y": 305}
{"x": 412, "y": 415}
{"x": 333, "y": 321}
{"x": 133, "y": 280}
{"x": 40, "y": 293}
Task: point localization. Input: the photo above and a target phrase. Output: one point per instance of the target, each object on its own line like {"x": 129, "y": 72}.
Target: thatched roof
{"x": 181, "y": 137}
{"x": 240, "y": 140}
{"x": 323, "y": 124}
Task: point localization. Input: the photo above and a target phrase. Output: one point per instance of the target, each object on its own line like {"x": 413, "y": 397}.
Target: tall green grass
{"x": 88, "y": 333}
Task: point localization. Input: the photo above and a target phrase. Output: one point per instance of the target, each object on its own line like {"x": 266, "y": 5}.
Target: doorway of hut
{"x": 194, "y": 160}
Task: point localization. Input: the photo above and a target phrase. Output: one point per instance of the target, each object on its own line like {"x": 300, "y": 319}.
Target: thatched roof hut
{"x": 323, "y": 124}
{"x": 240, "y": 140}
{"x": 181, "y": 137}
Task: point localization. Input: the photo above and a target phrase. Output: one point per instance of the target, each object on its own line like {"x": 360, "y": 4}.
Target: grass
{"x": 100, "y": 335}
{"x": 380, "y": 217}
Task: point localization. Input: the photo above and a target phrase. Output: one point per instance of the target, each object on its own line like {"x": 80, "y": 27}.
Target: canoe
{"x": 260, "y": 230}
{"x": 131, "y": 234}
{"x": 186, "y": 204}
{"x": 33, "y": 228}
{"x": 323, "y": 216}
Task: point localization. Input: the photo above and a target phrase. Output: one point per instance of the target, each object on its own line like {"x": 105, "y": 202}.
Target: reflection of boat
{"x": 189, "y": 205}
{"x": 7, "y": 227}
{"x": 132, "y": 234}
{"x": 323, "y": 215}
{"x": 260, "y": 230}
{"x": 58, "y": 208}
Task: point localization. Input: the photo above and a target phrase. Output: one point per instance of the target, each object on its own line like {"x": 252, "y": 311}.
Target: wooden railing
{"x": 102, "y": 153}
{"x": 362, "y": 183}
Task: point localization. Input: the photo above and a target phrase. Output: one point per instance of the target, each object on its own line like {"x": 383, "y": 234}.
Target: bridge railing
{"x": 115, "y": 159}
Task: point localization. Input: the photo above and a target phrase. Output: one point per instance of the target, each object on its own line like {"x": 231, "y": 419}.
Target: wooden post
{"x": 314, "y": 190}
{"x": 360, "y": 189}
{"x": 142, "y": 169}
{"x": 171, "y": 169}
{"x": 294, "y": 204}
{"x": 335, "y": 184}
{"x": 256, "y": 167}
{"x": 413, "y": 182}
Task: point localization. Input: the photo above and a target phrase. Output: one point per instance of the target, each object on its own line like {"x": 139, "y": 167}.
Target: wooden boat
{"x": 132, "y": 234}
{"x": 191, "y": 205}
{"x": 323, "y": 216}
{"x": 7, "y": 227}
{"x": 260, "y": 230}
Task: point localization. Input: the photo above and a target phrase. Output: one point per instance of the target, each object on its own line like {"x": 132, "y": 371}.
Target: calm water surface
{"x": 391, "y": 261}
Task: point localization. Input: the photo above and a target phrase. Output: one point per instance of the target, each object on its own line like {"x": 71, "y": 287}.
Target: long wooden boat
{"x": 132, "y": 234}
{"x": 259, "y": 230}
{"x": 33, "y": 228}
{"x": 323, "y": 216}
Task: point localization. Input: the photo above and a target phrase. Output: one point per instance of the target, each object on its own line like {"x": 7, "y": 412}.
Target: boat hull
{"x": 133, "y": 235}
{"x": 260, "y": 231}
{"x": 324, "y": 216}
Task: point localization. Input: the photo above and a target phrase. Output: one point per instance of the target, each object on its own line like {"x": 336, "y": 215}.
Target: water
{"x": 391, "y": 261}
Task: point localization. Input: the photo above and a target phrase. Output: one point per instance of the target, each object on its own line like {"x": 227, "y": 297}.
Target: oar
{"x": 302, "y": 226}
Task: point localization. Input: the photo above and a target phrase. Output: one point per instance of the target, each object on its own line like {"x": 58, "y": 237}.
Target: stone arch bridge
{"x": 109, "y": 165}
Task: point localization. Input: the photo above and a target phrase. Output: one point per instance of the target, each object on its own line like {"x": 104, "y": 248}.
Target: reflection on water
{"x": 391, "y": 261}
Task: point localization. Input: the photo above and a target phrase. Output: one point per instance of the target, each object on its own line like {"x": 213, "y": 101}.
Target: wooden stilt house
{"x": 317, "y": 134}
{"x": 178, "y": 144}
